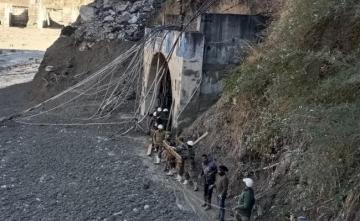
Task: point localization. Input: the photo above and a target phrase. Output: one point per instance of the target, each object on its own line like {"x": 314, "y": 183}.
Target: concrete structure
{"x": 189, "y": 81}
{"x": 39, "y": 13}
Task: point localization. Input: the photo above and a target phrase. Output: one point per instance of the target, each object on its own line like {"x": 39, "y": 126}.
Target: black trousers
{"x": 208, "y": 193}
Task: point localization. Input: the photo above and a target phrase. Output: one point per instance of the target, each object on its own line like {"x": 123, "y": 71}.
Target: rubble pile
{"x": 115, "y": 19}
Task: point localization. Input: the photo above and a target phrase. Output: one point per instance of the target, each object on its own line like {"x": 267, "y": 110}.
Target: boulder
{"x": 147, "y": 8}
{"x": 111, "y": 12}
{"x": 107, "y": 4}
{"x": 123, "y": 18}
{"x": 121, "y": 7}
{"x": 133, "y": 19}
{"x": 109, "y": 18}
{"x": 87, "y": 13}
{"x": 136, "y": 6}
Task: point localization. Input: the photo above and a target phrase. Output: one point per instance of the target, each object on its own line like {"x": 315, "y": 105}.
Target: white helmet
{"x": 301, "y": 218}
{"x": 190, "y": 143}
{"x": 165, "y": 110}
{"x": 154, "y": 114}
{"x": 248, "y": 182}
{"x": 160, "y": 126}
{"x": 159, "y": 109}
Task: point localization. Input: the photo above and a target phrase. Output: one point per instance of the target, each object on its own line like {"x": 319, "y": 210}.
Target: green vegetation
{"x": 303, "y": 83}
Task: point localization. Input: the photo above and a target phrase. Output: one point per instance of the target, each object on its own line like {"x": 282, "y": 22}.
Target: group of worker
{"x": 185, "y": 168}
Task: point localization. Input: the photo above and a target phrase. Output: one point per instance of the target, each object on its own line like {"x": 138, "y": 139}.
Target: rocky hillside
{"x": 103, "y": 31}
{"x": 115, "y": 19}
{"x": 290, "y": 116}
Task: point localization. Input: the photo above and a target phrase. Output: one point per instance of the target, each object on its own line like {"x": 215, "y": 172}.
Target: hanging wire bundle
{"x": 95, "y": 99}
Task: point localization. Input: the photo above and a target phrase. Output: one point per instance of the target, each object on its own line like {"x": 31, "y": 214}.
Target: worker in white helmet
{"x": 158, "y": 139}
{"x": 153, "y": 122}
{"x": 246, "y": 201}
{"x": 164, "y": 116}
{"x": 181, "y": 149}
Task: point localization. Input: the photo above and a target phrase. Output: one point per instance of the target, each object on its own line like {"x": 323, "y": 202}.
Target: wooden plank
{"x": 200, "y": 138}
{"x": 172, "y": 151}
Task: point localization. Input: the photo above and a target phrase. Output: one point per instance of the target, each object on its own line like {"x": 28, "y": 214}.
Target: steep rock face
{"x": 114, "y": 19}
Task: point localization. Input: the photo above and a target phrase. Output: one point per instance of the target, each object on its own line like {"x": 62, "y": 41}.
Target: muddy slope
{"x": 67, "y": 62}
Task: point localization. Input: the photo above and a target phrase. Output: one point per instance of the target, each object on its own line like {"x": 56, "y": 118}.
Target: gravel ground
{"x": 78, "y": 173}
{"x": 58, "y": 173}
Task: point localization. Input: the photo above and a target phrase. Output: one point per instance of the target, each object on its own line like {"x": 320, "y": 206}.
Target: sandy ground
{"x": 27, "y": 38}
{"x": 18, "y": 66}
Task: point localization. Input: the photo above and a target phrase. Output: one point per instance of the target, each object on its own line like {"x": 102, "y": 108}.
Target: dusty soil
{"x": 27, "y": 38}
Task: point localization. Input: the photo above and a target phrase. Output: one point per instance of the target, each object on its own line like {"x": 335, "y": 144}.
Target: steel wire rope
{"x": 68, "y": 90}
{"x": 116, "y": 61}
{"x": 202, "y": 9}
{"x": 120, "y": 97}
{"x": 119, "y": 82}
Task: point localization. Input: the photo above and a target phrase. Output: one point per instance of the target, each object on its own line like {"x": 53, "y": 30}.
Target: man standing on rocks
{"x": 190, "y": 164}
{"x": 209, "y": 171}
{"x": 221, "y": 186}
{"x": 181, "y": 149}
{"x": 246, "y": 202}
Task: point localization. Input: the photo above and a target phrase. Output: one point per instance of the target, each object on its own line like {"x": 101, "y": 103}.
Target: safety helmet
{"x": 190, "y": 143}
{"x": 160, "y": 126}
{"x": 165, "y": 110}
{"x": 248, "y": 182}
{"x": 159, "y": 109}
{"x": 154, "y": 114}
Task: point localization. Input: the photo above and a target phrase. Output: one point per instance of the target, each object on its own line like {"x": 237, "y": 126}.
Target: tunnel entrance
{"x": 19, "y": 17}
{"x": 159, "y": 84}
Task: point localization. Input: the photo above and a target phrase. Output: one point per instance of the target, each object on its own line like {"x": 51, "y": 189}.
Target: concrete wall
{"x": 171, "y": 11}
{"x": 42, "y": 13}
{"x": 201, "y": 60}
{"x": 228, "y": 38}
{"x": 185, "y": 66}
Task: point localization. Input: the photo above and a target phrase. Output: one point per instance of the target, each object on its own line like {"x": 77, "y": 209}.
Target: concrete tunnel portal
{"x": 197, "y": 62}
{"x": 159, "y": 84}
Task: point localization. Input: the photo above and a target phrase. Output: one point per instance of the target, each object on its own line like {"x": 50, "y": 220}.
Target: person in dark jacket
{"x": 209, "y": 171}
{"x": 246, "y": 202}
{"x": 190, "y": 164}
{"x": 221, "y": 186}
{"x": 181, "y": 149}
